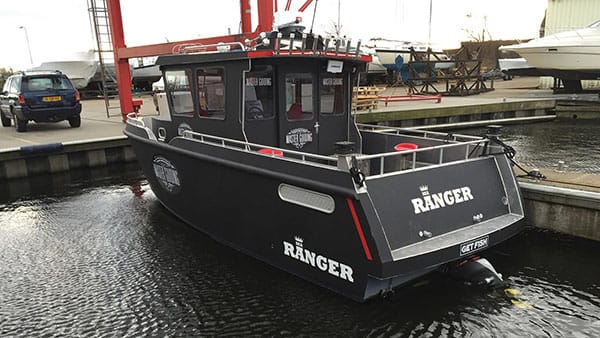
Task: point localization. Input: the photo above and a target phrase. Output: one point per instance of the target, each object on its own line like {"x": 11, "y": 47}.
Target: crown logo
{"x": 299, "y": 240}
{"x": 424, "y": 189}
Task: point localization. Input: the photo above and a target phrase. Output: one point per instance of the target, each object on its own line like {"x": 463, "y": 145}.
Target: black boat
{"x": 262, "y": 153}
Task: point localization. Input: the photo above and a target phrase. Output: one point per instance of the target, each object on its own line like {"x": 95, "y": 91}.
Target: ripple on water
{"x": 542, "y": 145}
{"x": 104, "y": 262}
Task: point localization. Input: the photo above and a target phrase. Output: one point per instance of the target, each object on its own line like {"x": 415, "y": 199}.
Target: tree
{"x": 4, "y": 74}
{"x": 334, "y": 30}
{"x": 477, "y": 34}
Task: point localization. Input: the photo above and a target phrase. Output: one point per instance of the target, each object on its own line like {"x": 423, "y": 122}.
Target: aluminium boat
{"x": 262, "y": 153}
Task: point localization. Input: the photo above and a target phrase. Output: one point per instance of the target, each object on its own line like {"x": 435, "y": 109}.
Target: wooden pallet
{"x": 366, "y": 98}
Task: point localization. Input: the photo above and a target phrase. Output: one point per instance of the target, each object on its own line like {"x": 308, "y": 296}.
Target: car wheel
{"x": 5, "y": 120}
{"x": 75, "y": 121}
{"x": 21, "y": 125}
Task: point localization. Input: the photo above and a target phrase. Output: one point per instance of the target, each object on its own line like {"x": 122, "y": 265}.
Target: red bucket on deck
{"x": 405, "y": 146}
{"x": 271, "y": 152}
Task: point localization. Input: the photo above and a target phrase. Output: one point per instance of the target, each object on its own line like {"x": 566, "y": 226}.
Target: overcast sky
{"x": 59, "y": 28}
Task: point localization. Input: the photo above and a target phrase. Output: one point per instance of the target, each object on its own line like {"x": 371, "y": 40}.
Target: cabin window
{"x": 179, "y": 93}
{"x": 299, "y": 96}
{"x": 258, "y": 102}
{"x": 332, "y": 94}
{"x": 211, "y": 93}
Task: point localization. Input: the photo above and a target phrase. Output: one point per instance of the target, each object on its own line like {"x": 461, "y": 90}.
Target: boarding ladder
{"x": 98, "y": 12}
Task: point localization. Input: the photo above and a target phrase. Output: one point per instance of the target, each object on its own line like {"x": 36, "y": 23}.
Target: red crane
{"x": 123, "y": 53}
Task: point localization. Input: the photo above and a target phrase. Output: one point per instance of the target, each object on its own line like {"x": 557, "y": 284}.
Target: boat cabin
{"x": 299, "y": 99}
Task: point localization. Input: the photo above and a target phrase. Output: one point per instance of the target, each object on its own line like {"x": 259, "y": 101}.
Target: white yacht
{"x": 576, "y": 50}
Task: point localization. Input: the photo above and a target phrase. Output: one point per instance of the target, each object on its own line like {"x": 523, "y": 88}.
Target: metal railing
{"x": 133, "y": 119}
{"x": 417, "y": 133}
{"x": 314, "y": 45}
{"x": 406, "y": 160}
{"x": 380, "y": 164}
{"x": 190, "y": 48}
{"x": 329, "y": 162}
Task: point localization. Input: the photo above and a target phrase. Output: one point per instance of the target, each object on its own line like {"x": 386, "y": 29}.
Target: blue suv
{"x": 40, "y": 96}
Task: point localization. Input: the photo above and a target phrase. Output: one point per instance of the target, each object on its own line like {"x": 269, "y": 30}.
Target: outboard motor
{"x": 477, "y": 271}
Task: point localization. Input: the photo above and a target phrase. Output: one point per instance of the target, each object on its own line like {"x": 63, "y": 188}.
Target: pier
{"x": 565, "y": 202}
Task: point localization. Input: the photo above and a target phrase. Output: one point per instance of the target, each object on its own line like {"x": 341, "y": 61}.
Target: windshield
{"x": 46, "y": 83}
{"x": 595, "y": 24}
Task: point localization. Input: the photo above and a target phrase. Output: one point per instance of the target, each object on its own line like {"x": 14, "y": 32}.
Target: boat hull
{"x": 580, "y": 58}
{"x": 398, "y": 59}
{"x": 577, "y": 50}
{"x": 240, "y": 207}
{"x": 242, "y": 199}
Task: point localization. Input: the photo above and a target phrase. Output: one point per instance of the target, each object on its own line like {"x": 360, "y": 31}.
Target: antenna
{"x": 430, "y": 14}
{"x": 314, "y": 14}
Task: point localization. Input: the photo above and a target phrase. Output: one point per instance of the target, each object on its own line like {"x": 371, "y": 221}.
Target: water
{"x": 95, "y": 254}
{"x": 542, "y": 145}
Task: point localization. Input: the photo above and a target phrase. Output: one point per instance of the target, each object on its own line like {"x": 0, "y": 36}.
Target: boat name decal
{"x": 299, "y": 137}
{"x": 166, "y": 174}
{"x": 258, "y": 82}
{"x": 431, "y": 201}
{"x": 333, "y": 81}
{"x": 474, "y": 245}
{"x": 331, "y": 266}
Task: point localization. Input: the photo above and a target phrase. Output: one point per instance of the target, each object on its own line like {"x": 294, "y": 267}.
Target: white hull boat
{"x": 388, "y": 51}
{"x": 80, "y": 68}
{"x": 577, "y": 50}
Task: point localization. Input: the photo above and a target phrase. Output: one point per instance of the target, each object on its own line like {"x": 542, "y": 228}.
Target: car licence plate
{"x": 51, "y": 98}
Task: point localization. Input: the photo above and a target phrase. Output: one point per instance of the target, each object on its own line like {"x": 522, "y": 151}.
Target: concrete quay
{"x": 565, "y": 202}
{"x": 515, "y": 101}
{"x": 48, "y": 148}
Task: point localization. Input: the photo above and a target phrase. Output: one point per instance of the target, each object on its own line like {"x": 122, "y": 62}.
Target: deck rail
{"x": 371, "y": 165}
{"x": 406, "y": 160}
{"x": 417, "y": 132}
{"x": 329, "y": 162}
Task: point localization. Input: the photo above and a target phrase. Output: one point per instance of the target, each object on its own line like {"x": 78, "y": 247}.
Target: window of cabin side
{"x": 299, "y": 96}
{"x": 211, "y": 93}
{"x": 331, "y": 93}
{"x": 258, "y": 100}
{"x": 179, "y": 92}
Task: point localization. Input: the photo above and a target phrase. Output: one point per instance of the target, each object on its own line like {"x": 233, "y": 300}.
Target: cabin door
{"x": 298, "y": 118}
{"x": 333, "y": 110}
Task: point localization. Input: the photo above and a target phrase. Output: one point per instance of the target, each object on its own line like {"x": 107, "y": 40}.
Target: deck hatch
{"x": 306, "y": 198}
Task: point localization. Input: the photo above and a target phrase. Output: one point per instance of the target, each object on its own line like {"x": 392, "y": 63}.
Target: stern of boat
{"x": 443, "y": 201}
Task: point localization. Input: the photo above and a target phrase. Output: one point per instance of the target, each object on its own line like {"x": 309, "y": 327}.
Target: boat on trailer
{"x": 262, "y": 153}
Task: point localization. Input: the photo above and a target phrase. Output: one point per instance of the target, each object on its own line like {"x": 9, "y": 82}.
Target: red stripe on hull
{"x": 359, "y": 229}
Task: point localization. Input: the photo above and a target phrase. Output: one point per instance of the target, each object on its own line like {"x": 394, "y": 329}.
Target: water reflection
{"x": 100, "y": 256}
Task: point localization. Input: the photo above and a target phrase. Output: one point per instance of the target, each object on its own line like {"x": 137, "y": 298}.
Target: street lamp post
{"x": 27, "y": 40}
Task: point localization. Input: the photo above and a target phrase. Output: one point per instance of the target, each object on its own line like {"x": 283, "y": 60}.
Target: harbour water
{"x": 94, "y": 253}
{"x": 542, "y": 145}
